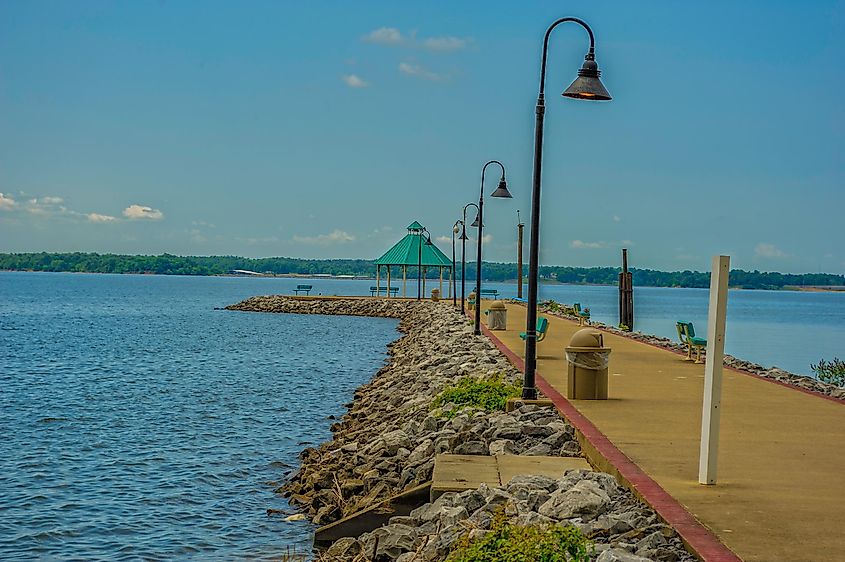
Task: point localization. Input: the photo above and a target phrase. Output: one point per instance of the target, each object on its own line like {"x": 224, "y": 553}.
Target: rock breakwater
{"x": 387, "y": 442}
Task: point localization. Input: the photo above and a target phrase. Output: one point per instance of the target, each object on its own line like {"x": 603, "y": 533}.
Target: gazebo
{"x": 407, "y": 253}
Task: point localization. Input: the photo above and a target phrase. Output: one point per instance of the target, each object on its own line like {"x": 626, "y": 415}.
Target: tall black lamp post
{"x": 587, "y": 86}
{"x": 501, "y": 191}
{"x": 455, "y": 230}
{"x": 464, "y": 239}
{"x": 419, "y": 259}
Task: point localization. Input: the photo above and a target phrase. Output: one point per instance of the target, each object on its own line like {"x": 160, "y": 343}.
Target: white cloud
{"x": 393, "y": 37}
{"x": 142, "y": 212}
{"x": 616, "y": 218}
{"x": 581, "y": 245}
{"x": 418, "y": 71}
{"x": 384, "y": 36}
{"x": 334, "y": 237}
{"x": 486, "y": 239}
{"x": 51, "y": 200}
{"x": 97, "y": 217}
{"x": 445, "y": 44}
{"x": 444, "y": 239}
{"x": 354, "y": 81}
{"x": 768, "y": 251}
{"x": 6, "y": 201}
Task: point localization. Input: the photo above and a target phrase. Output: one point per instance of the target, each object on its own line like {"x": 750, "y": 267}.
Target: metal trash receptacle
{"x": 587, "y": 361}
{"x": 497, "y": 316}
{"x": 471, "y": 300}
{"x": 435, "y": 294}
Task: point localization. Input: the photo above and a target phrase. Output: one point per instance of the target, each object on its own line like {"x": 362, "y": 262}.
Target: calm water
{"x": 139, "y": 422}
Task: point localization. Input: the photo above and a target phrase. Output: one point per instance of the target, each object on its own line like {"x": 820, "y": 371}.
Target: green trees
{"x": 169, "y": 264}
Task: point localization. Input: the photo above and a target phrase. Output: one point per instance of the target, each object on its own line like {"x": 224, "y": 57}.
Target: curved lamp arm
{"x": 590, "y": 55}
{"x": 484, "y": 169}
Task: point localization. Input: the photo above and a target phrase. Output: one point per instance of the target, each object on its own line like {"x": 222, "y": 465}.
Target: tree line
{"x": 168, "y": 264}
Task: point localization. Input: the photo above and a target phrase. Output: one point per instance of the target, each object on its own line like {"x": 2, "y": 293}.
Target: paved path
{"x": 781, "y": 480}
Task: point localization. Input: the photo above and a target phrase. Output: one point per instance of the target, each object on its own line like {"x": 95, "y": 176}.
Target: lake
{"x": 140, "y": 423}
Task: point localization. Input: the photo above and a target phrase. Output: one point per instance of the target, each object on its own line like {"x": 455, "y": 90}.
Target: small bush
{"x": 832, "y": 372}
{"x": 471, "y": 394}
{"x": 519, "y": 543}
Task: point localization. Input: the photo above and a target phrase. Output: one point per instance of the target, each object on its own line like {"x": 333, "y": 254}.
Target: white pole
{"x": 712, "y": 407}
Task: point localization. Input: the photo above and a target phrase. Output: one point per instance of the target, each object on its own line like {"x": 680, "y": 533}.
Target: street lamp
{"x": 455, "y": 230}
{"x": 464, "y": 239}
{"x": 501, "y": 191}
{"x": 587, "y": 86}
{"x": 419, "y": 259}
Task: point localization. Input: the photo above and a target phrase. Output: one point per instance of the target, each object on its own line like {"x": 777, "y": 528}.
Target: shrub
{"x": 506, "y": 542}
{"x": 468, "y": 394}
{"x": 832, "y": 372}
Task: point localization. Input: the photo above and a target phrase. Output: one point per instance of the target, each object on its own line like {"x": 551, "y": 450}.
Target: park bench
{"x": 686, "y": 333}
{"x": 490, "y": 293}
{"x": 303, "y": 289}
{"x": 383, "y": 291}
{"x": 542, "y": 328}
{"x": 583, "y": 316}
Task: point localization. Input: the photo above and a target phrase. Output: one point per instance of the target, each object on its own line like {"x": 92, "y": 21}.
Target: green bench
{"x": 383, "y": 291}
{"x": 490, "y": 293}
{"x": 686, "y": 333}
{"x": 542, "y": 328}
{"x": 583, "y": 315}
{"x": 303, "y": 289}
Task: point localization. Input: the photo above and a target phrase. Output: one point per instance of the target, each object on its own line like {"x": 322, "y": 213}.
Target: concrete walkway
{"x": 781, "y": 480}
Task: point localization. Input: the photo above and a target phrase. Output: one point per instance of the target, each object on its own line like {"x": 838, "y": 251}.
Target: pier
{"x": 779, "y": 494}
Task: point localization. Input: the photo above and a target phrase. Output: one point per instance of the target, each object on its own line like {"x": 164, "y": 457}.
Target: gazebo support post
{"x": 441, "y": 280}
{"x": 424, "y": 272}
{"x": 378, "y": 284}
{"x": 388, "y": 281}
{"x": 404, "y": 281}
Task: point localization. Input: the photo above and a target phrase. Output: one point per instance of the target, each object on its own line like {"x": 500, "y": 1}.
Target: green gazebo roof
{"x": 406, "y": 251}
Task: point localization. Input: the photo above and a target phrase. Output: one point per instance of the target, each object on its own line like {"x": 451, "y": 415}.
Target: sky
{"x": 322, "y": 129}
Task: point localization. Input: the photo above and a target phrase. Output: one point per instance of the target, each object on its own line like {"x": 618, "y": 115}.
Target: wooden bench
{"x": 583, "y": 316}
{"x": 542, "y": 328}
{"x": 394, "y": 291}
{"x": 490, "y": 293}
{"x": 303, "y": 289}
{"x": 686, "y": 333}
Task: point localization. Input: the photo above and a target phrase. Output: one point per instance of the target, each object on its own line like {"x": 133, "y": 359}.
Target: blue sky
{"x": 321, "y": 129}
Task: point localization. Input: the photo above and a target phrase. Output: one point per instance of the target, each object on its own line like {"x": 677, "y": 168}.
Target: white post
{"x": 712, "y": 408}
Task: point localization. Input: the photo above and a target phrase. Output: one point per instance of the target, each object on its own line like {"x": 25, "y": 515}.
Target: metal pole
{"x": 463, "y": 256}
{"x": 712, "y": 406}
{"x": 452, "y": 292}
{"x": 519, "y": 227}
{"x": 529, "y": 391}
{"x": 419, "y": 266}
{"x": 478, "y": 254}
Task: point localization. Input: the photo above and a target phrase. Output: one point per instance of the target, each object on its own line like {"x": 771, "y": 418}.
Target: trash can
{"x": 435, "y": 294}
{"x": 587, "y": 360}
{"x": 471, "y": 300}
{"x": 497, "y": 316}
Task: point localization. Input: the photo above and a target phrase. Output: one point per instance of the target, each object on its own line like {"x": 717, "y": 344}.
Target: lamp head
{"x": 502, "y": 190}
{"x": 464, "y": 235}
{"x": 428, "y": 241}
{"x": 456, "y": 229}
{"x": 588, "y": 85}
{"x": 475, "y": 223}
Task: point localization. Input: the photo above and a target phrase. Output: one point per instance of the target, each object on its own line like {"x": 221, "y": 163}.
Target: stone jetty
{"x": 386, "y": 443}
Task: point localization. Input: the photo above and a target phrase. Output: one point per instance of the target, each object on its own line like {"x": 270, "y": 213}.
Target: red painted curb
{"x": 700, "y": 539}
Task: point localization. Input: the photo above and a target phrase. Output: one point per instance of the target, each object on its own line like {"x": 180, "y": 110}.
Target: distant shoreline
{"x": 804, "y": 289}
